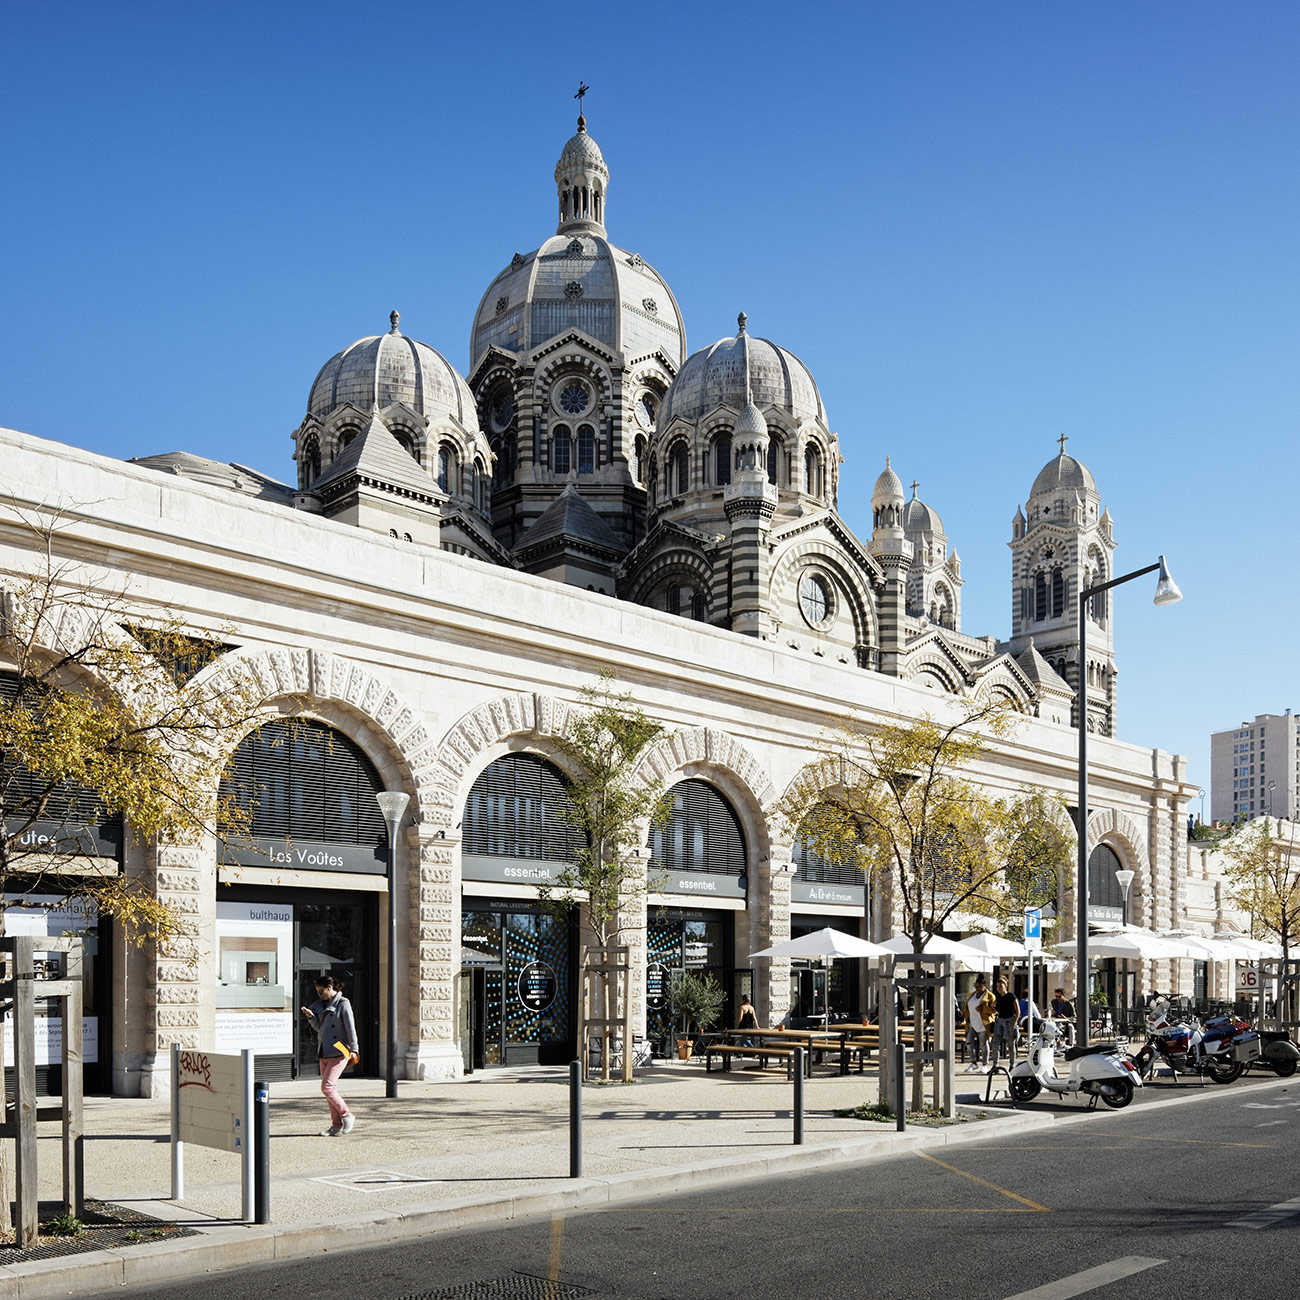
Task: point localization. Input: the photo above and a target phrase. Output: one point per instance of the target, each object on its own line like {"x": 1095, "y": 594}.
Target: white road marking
{"x": 1090, "y": 1279}
{"x": 1272, "y": 1214}
{"x": 1270, "y": 1123}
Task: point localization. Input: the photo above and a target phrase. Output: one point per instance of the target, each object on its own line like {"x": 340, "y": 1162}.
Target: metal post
{"x": 178, "y": 1150}
{"x": 261, "y": 1152}
{"x": 575, "y": 1119}
{"x": 74, "y": 1146}
{"x": 900, "y": 1086}
{"x": 1084, "y": 979}
{"x": 246, "y": 1140}
{"x": 392, "y": 803}
{"x": 798, "y": 1096}
{"x": 24, "y": 968}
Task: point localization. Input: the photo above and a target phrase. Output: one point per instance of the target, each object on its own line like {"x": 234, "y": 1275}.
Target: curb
{"x": 245, "y": 1246}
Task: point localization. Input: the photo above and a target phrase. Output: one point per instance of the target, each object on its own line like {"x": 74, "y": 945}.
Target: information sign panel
{"x": 1033, "y": 928}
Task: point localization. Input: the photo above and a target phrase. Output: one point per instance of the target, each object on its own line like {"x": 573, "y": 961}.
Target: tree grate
{"x": 514, "y": 1286}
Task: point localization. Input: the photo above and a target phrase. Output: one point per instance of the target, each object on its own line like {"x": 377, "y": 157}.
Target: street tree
{"x": 106, "y": 719}
{"x": 609, "y": 802}
{"x": 896, "y": 799}
{"x": 1262, "y": 867}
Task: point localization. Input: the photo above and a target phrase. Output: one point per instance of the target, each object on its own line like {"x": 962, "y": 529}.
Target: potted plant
{"x": 696, "y": 1000}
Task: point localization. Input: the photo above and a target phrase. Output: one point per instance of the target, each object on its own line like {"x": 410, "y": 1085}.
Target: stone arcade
{"x": 458, "y": 557}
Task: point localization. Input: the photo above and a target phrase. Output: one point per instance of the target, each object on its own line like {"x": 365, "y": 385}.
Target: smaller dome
{"x": 888, "y": 490}
{"x": 581, "y": 150}
{"x": 920, "y": 518}
{"x": 1063, "y": 473}
{"x": 389, "y": 369}
{"x": 750, "y": 423}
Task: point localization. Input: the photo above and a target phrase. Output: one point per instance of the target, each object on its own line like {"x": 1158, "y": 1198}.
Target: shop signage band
{"x": 305, "y": 855}
{"x": 807, "y": 891}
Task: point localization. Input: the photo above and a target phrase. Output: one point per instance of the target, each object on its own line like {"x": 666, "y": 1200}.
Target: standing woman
{"x": 331, "y": 1017}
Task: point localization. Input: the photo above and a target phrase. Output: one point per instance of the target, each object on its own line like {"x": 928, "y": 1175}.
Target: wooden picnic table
{"x": 839, "y": 1038}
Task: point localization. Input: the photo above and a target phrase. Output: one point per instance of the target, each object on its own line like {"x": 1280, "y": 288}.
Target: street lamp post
{"x": 1167, "y": 593}
{"x": 392, "y": 804}
{"x": 1272, "y": 785}
{"x": 1125, "y": 878}
{"x": 1200, "y": 794}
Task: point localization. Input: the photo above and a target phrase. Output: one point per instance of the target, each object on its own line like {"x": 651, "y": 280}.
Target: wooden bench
{"x": 726, "y": 1051}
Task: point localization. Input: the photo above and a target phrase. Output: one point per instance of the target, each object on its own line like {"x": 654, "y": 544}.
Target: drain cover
{"x": 514, "y": 1286}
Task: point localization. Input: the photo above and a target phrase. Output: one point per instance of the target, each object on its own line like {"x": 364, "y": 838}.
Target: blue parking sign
{"x": 1033, "y": 927}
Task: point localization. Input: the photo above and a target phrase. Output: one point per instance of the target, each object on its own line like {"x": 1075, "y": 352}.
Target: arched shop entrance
{"x": 700, "y": 854}
{"x": 300, "y": 893}
{"x": 74, "y": 819}
{"x": 827, "y": 893}
{"x": 518, "y": 960}
{"x": 1112, "y": 979}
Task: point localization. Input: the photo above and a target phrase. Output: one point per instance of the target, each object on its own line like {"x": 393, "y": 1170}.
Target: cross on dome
{"x": 1063, "y": 439}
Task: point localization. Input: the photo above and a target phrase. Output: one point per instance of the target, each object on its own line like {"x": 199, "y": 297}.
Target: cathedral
{"x": 587, "y": 445}
{"x": 457, "y": 557}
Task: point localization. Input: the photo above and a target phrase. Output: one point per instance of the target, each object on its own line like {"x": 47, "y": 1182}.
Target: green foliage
{"x": 696, "y": 999}
{"x": 62, "y": 1225}
{"x": 104, "y": 716}
{"x": 1262, "y": 869}
{"x": 894, "y": 799}
{"x": 610, "y": 803}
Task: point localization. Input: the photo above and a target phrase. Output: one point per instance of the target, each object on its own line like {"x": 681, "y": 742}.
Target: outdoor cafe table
{"x": 835, "y": 1039}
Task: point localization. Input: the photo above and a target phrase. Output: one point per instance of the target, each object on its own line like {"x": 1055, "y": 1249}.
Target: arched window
{"x": 774, "y": 462}
{"x": 813, "y": 866}
{"x": 407, "y": 443}
{"x": 674, "y": 598}
{"x": 586, "y": 450}
{"x": 703, "y": 833}
{"x": 481, "y": 496}
{"x": 1058, "y": 593}
{"x": 679, "y": 471}
{"x": 309, "y": 461}
{"x": 722, "y": 461}
{"x": 516, "y": 810}
{"x": 638, "y": 470}
{"x": 698, "y": 611}
{"x": 446, "y": 469}
{"x": 1104, "y": 890}
{"x": 304, "y": 781}
{"x": 71, "y": 810}
{"x": 812, "y": 471}
{"x": 652, "y": 479}
{"x": 561, "y": 449}
{"x": 1040, "y": 597}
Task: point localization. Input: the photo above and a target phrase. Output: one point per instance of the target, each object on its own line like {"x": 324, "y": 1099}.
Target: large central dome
{"x": 578, "y": 280}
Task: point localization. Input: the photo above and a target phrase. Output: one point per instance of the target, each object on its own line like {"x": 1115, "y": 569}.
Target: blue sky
{"x": 980, "y": 224}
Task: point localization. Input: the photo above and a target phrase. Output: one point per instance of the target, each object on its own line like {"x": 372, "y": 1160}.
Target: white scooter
{"x": 1098, "y": 1071}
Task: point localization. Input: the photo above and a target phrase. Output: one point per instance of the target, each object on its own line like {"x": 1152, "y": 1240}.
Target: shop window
{"x": 703, "y": 833}
{"x": 820, "y": 869}
{"x": 72, "y": 812}
{"x": 1103, "y": 888}
{"x": 302, "y": 780}
{"x": 516, "y": 810}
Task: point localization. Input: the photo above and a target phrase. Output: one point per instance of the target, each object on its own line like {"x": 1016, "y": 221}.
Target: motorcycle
{"x": 1188, "y": 1047}
{"x": 1259, "y": 1049}
{"x": 1097, "y": 1071}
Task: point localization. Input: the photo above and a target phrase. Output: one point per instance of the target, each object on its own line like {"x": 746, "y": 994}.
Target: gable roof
{"x": 571, "y": 518}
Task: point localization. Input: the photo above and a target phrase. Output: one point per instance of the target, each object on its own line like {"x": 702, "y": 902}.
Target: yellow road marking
{"x": 983, "y": 1182}
{"x": 557, "y": 1240}
{"x": 1208, "y": 1142}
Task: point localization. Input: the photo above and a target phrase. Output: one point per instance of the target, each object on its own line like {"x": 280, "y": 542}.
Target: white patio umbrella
{"x": 825, "y": 944}
{"x": 1196, "y": 946}
{"x": 1133, "y": 943}
{"x": 995, "y": 947}
{"x": 1242, "y": 948}
{"x": 936, "y": 946}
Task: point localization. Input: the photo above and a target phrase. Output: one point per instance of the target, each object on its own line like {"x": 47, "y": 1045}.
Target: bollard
{"x": 900, "y": 1087}
{"x": 575, "y": 1119}
{"x": 261, "y": 1152}
{"x": 798, "y": 1096}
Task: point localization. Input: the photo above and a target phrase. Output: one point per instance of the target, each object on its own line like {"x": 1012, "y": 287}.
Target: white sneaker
{"x": 332, "y": 1132}
{"x": 348, "y": 1122}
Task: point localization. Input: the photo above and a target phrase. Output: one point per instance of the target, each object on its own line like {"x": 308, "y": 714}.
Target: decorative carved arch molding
{"x": 723, "y": 760}
{"x": 1128, "y": 837}
{"x": 860, "y": 602}
{"x": 676, "y": 561}
{"x": 573, "y": 358}
{"x": 1002, "y": 684}
{"x": 933, "y": 664}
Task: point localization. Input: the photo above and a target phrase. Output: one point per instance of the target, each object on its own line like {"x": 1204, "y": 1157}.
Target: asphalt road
{"x": 1157, "y": 1200}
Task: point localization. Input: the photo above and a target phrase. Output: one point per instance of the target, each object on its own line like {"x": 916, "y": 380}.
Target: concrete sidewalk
{"x": 452, "y": 1155}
